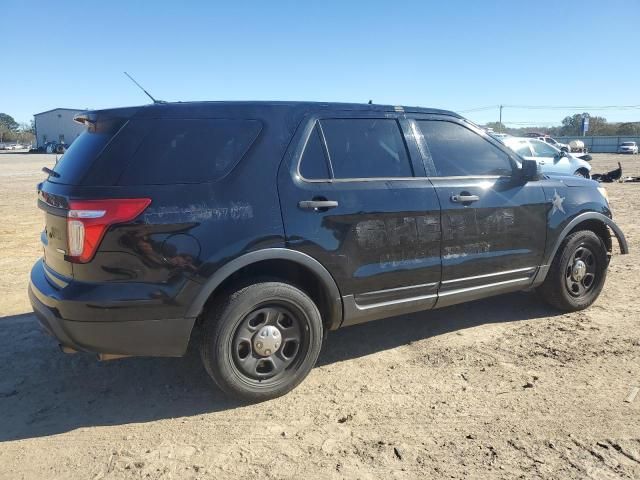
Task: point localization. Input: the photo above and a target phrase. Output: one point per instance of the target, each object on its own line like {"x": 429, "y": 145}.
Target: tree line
{"x": 572, "y": 126}
{"x": 14, "y": 132}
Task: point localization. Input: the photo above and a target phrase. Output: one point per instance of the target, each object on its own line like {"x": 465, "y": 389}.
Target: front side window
{"x": 541, "y": 149}
{"x": 366, "y": 148}
{"x": 458, "y": 151}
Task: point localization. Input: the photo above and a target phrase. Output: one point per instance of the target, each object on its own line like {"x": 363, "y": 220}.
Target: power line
{"x": 479, "y": 109}
{"x": 554, "y": 107}
{"x": 531, "y": 123}
{"x": 574, "y": 107}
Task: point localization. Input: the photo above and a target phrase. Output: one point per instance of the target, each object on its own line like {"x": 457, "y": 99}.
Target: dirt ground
{"x": 499, "y": 388}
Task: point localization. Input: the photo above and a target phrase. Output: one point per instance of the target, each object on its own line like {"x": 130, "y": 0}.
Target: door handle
{"x": 464, "y": 198}
{"x": 317, "y": 204}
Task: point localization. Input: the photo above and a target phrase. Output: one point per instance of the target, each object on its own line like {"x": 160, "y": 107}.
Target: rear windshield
{"x": 79, "y": 157}
{"x": 189, "y": 150}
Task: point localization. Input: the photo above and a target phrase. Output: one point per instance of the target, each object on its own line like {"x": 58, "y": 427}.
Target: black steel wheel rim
{"x": 580, "y": 282}
{"x": 257, "y": 367}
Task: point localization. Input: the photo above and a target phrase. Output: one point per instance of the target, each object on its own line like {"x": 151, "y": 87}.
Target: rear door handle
{"x": 317, "y": 204}
{"x": 464, "y": 198}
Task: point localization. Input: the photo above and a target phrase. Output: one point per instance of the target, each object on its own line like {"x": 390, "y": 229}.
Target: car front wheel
{"x": 577, "y": 273}
{"x": 261, "y": 340}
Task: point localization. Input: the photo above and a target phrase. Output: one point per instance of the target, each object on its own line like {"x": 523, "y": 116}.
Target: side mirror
{"x": 530, "y": 171}
{"x": 560, "y": 154}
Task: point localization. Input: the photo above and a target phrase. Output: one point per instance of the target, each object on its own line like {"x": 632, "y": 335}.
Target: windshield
{"x": 628, "y": 144}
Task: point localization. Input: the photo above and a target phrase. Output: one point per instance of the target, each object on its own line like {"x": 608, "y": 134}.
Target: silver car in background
{"x": 628, "y": 147}
{"x": 552, "y": 160}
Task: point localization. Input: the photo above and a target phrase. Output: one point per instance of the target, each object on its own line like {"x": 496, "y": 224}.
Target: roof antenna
{"x": 370, "y": 102}
{"x": 141, "y": 88}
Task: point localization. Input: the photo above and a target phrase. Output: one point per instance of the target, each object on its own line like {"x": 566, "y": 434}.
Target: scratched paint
{"x": 458, "y": 225}
{"x": 199, "y": 213}
{"x": 398, "y": 232}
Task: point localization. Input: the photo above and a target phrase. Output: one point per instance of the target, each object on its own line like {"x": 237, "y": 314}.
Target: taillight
{"x": 88, "y": 220}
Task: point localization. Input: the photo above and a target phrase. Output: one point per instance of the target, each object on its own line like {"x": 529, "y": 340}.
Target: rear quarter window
{"x": 189, "y": 150}
{"x": 81, "y": 155}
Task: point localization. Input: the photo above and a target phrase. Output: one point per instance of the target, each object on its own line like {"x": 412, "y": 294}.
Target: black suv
{"x": 268, "y": 224}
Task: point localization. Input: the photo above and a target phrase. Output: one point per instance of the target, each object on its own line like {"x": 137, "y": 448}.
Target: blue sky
{"x": 450, "y": 54}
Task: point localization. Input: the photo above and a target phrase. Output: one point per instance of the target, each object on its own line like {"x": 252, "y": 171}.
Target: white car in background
{"x": 552, "y": 141}
{"x": 628, "y": 147}
{"x": 552, "y": 160}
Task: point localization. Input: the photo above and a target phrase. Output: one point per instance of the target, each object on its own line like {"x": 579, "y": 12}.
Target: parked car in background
{"x": 499, "y": 136}
{"x": 55, "y": 147}
{"x": 552, "y": 160}
{"x": 11, "y": 146}
{"x": 547, "y": 139}
{"x": 628, "y": 147}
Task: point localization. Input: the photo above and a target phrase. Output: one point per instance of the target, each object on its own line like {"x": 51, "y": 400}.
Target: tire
{"x": 561, "y": 288}
{"x": 231, "y": 341}
{"x": 581, "y": 173}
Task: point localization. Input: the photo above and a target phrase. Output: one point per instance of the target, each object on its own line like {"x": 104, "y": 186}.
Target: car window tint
{"x": 541, "y": 149}
{"x": 313, "y": 165}
{"x": 458, "y": 151}
{"x": 366, "y": 148}
{"x": 189, "y": 150}
{"x": 82, "y": 153}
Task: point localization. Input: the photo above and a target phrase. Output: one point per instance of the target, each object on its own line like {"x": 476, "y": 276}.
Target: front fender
{"x": 583, "y": 217}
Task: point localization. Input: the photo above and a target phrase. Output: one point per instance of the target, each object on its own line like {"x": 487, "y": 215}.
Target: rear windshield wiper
{"x": 50, "y": 172}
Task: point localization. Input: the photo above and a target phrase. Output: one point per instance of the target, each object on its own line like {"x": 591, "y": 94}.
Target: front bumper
{"x": 114, "y": 332}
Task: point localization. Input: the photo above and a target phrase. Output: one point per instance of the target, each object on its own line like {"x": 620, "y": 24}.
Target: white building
{"x": 57, "y": 125}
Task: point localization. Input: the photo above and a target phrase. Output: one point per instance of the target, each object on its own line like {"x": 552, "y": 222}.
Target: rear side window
{"x": 366, "y": 148}
{"x": 458, "y": 151}
{"x": 313, "y": 165}
{"x": 189, "y": 150}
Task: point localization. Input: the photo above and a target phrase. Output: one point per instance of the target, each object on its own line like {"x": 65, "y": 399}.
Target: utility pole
{"x": 500, "y": 121}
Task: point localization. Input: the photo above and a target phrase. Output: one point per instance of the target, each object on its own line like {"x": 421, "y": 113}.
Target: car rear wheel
{"x": 262, "y": 340}
{"x": 577, "y": 273}
{"x": 581, "y": 173}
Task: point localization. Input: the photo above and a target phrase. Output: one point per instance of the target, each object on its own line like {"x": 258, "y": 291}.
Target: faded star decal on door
{"x": 556, "y": 202}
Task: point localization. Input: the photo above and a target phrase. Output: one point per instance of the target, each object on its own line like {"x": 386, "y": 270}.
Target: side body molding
{"x": 622, "y": 241}
{"x": 329, "y": 284}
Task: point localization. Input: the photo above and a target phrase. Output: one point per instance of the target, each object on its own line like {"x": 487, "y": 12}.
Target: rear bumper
{"x": 151, "y": 337}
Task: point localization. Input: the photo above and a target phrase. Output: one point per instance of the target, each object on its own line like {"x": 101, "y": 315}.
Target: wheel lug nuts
{"x": 267, "y": 352}
{"x": 259, "y": 344}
